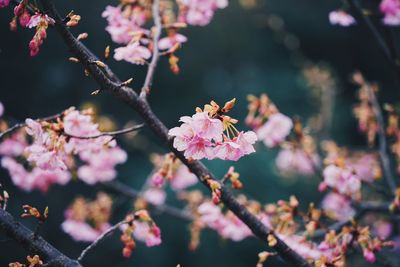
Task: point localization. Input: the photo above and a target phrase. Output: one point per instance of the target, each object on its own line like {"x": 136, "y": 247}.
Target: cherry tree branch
{"x": 113, "y": 133}
{"x": 384, "y": 157}
{"x": 156, "y": 53}
{"x": 140, "y": 105}
{"x": 18, "y": 126}
{"x": 100, "y": 239}
{"x": 25, "y": 237}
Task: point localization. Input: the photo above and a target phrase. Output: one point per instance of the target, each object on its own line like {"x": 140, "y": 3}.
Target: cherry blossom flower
{"x": 37, "y": 19}
{"x": 337, "y": 207}
{"x": 365, "y": 166}
{"x": 82, "y": 231}
{"x": 4, "y": 3}
{"x": 342, "y": 18}
{"x": 121, "y": 26}
{"x": 391, "y": 10}
{"x": 171, "y": 40}
{"x": 296, "y": 161}
{"x": 342, "y": 179}
{"x": 133, "y": 53}
{"x": 183, "y": 178}
{"x": 236, "y": 148}
{"x": 151, "y": 235}
{"x": 155, "y": 196}
{"x": 13, "y": 146}
{"x": 205, "y": 126}
{"x": 200, "y": 12}
{"x": 275, "y": 130}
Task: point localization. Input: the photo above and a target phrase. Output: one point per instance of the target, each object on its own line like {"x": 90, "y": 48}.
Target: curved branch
{"x": 140, "y": 105}
{"x": 25, "y": 238}
{"x": 156, "y": 53}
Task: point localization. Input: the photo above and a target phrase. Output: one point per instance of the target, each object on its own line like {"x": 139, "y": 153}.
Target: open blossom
{"x": 366, "y": 166}
{"x": 200, "y": 12}
{"x": 123, "y": 25}
{"x": 171, "y": 40}
{"x": 275, "y": 130}
{"x": 133, "y": 53}
{"x": 391, "y": 10}
{"x": 151, "y": 235}
{"x": 296, "y": 161}
{"x": 202, "y": 136}
{"x": 342, "y": 18}
{"x": 82, "y": 231}
{"x": 4, "y": 3}
{"x": 342, "y": 179}
{"x": 337, "y": 207}
{"x": 13, "y": 146}
{"x": 155, "y": 196}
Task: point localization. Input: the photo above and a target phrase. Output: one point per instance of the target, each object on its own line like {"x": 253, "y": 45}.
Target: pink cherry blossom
{"x": 133, "y": 53}
{"x": 121, "y": 26}
{"x": 183, "y": 179}
{"x": 296, "y": 161}
{"x": 199, "y": 148}
{"x": 338, "y": 206}
{"x": 342, "y": 18}
{"x": 236, "y": 148}
{"x": 82, "y": 231}
{"x": 275, "y": 130}
{"x": 391, "y": 10}
{"x": 171, "y": 40}
{"x": 343, "y": 180}
{"x": 200, "y": 12}
{"x": 4, "y": 3}
{"x": 13, "y": 146}
{"x": 150, "y": 235}
{"x": 36, "y": 19}
{"x": 155, "y": 196}
{"x": 24, "y": 19}
{"x": 363, "y": 166}
{"x": 206, "y": 127}
{"x": 369, "y": 256}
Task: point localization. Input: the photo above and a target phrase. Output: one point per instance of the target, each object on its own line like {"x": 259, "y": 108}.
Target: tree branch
{"x": 141, "y": 106}
{"x": 156, "y": 37}
{"x": 113, "y": 133}
{"x": 100, "y": 239}
{"x": 25, "y": 238}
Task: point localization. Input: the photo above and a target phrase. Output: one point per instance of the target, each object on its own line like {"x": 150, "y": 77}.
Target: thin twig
{"x": 156, "y": 37}
{"x": 100, "y": 239}
{"x": 113, "y": 133}
{"x": 384, "y": 157}
{"x": 23, "y": 124}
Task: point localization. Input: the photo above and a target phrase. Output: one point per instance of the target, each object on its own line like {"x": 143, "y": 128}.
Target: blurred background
{"x": 251, "y": 47}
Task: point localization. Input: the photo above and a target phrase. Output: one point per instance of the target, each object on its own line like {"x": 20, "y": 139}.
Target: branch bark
{"x": 25, "y": 237}
{"x": 140, "y": 105}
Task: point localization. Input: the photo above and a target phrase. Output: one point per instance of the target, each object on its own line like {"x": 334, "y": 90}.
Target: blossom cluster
{"x": 211, "y": 134}
{"x": 298, "y": 153}
{"x": 57, "y": 149}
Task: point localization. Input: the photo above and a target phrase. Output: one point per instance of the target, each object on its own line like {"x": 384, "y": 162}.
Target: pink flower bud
{"x": 4, "y": 3}
{"x": 157, "y": 180}
{"x": 18, "y": 10}
{"x": 369, "y": 256}
{"x": 24, "y": 19}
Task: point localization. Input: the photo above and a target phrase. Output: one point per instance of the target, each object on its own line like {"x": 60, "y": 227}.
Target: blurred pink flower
{"x": 200, "y": 12}
{"x": 133, "y": 53}
{"x": 363, "y": 166}
{"x": 150, "y": 235}
{"x": 342, "y": 18}
{"x": 183, "y": 179}
{"x": 4, "y": 3}
{"x": 391, "y": 10}
{"x": 1, "y": 109}
{"x": 169, "y": 41}
{"x": 338, "y": 206}
{"x": 82, "y": 231}
{"x": 13, "y": 146}
{"x": 275, "y": 130}
{"x": 296, "y": 161}
{"x": 155, "y": 196}
{"x": 343, "y": 180}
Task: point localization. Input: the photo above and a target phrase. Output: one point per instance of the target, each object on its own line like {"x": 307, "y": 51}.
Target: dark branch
{"x": 141, "y": 106}
{"x": 25, "y": 237}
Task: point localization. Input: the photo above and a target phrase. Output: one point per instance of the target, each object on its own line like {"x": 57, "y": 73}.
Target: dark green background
{"x": 233, "y": 56}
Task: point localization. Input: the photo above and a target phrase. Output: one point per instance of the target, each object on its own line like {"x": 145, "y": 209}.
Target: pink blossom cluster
{"x": 292, "y": 160}
{"x": 341, "y": 18}
{"x": 41, "y": 22}
{"x": 275, "y": 130}
{"x": 4, "y": 3}
{"x": 337, "y": 207}
{"x": 83, "y": 231}
{"x": 126, "y": 27}
{"x": 228, "y": 226}
{"x": 366, "y": 166}
{"x": 342, "y": 179}
{"x": 199, "y": 12}
{"x": 391, "y": 11}
{"x": 202, "y": 136}
{"x": 52, "y": 156}
{"x": 149, "y": 234}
